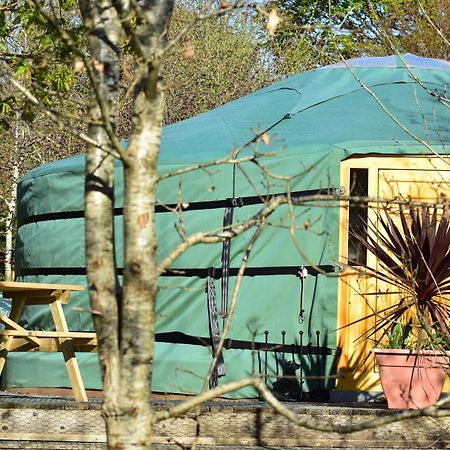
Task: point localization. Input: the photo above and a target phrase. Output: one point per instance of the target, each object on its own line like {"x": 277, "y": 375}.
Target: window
{"x": 357, "y": 216}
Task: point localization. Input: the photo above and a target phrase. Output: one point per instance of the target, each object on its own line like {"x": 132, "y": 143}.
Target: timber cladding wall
{"x": 66, "y": 425}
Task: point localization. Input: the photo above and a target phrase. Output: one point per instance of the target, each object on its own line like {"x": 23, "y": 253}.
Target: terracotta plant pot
{"x": 411, "y": 379}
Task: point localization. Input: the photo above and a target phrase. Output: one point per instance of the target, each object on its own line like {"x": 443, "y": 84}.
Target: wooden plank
{"x": 69, "y": 355}
{"x": 19, "y": 293}
{"x": 37, "y": 298}
{"x": 59, "y": 437}
{"x": 49, "y": 334}
{"x": 52, "y": 344}
{"x": 13, "y": 327}
{"x": 12, "y": 286}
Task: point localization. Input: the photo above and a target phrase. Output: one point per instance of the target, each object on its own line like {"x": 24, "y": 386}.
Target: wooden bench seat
{"x": 50, "y": 341}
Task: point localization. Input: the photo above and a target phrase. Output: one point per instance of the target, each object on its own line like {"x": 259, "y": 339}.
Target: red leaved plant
{"x": 413, "y": 257}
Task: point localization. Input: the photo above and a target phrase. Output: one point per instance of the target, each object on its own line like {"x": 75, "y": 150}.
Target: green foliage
{"x": 327, "y": 27}
{"x": 5, "y": 108}
{"x": 325, "y": 30}
{"x": 406, "y": 336}
{"x": 21, "y": 68}
{"x": 27, "y": 114}
{"x": 60, "y": 78}
{"x": 400, "y": 336}
{"x": 417, "y": 27}
{"x": 34, "y": 51}
{"x": 216, "y": 62}
{"x": 4, "y": 125}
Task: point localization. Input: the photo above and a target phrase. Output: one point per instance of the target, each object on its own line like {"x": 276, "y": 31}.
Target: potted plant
{"x": 413, "y": 255}
{"x": 412, "y": 376}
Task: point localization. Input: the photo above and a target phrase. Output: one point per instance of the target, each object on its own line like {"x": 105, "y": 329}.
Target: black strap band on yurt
{"x": 226, "y": 249}
{"x": 237, "y": 344}
{"x": 192, "y": 272}
{"x": 189, "y": 206}
{"x": 214, "y": 332}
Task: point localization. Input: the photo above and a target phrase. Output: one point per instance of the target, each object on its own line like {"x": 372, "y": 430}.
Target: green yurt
{"x": 320, "y": 132}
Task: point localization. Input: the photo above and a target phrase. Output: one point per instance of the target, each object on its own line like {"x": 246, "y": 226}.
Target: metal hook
{"x": 302, "y": 274}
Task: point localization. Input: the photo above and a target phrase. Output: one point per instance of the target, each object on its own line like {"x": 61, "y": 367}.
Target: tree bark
{"x": 10, "y": 215}
{"x": 125, "y": 324}
{"x": 104, "y": 40}
{"x": 140, "y": 283}
{"x": 134, "y": 428}
{"x": 11, "y": 204}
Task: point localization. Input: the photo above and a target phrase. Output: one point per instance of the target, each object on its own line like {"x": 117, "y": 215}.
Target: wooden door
{"x": 420, "y": 179}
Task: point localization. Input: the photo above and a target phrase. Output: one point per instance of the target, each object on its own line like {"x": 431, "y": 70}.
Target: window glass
{"x": 357, "y": 216}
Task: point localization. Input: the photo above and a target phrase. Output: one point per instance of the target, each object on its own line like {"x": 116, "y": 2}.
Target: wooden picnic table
{"x": 15, "y": 338}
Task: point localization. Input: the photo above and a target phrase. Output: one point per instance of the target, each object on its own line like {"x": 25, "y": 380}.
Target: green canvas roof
{"x": 314, "y": 110}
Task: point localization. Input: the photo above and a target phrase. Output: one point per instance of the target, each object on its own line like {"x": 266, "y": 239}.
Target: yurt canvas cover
{"x": 314, "y": 120}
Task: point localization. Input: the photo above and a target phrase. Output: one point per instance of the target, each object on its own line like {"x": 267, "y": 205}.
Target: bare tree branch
{"x": 312, "y": 424}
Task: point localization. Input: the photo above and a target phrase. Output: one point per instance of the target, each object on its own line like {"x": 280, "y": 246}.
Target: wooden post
{"x": 6, "y": 341}
{"x": 66, "y": 345}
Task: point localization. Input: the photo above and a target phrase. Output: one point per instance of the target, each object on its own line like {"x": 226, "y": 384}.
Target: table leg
{"x": 66, "y": 345}
{"x": 5, "y": 343}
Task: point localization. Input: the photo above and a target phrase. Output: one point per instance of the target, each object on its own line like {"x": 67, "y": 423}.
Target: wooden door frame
{"x": 365, "y": 378}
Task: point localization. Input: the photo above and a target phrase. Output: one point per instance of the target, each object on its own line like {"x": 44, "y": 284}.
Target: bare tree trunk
{"x": 9, "y": 272}
{"x": 125, "y": 328}
{"x": 104, "y": 32}
{"x": 140, "y": 283}
{"x": 11, "y": 205}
